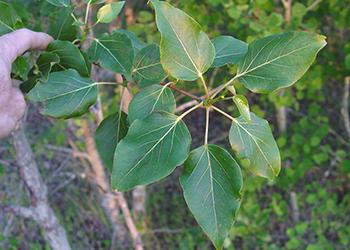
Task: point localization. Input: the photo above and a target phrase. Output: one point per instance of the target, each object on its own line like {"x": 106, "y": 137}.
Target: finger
{"x": 16, "y": 83}
{"x": 14, "y": 44}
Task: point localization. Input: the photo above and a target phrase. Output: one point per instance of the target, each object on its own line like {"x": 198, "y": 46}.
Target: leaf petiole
{"x": 224, "y": 113}
{"x": 189, "y": 111}
{"x": 207, "y": 112}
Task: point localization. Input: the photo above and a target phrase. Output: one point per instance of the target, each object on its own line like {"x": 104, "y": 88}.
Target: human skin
{"x": 12, "y": 103}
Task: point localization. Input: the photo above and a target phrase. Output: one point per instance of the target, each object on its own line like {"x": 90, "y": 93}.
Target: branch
{"x": 129, "y": 221}
{"x": 53, "y": 232}
{"x": 183, "y": 92}
{"x": 27, "y": 213}
{"x": 345, "y": 105}
{"x": 186, "y": 105}
{"x": 313, "y": 5}
{"x": 73, "y": 152}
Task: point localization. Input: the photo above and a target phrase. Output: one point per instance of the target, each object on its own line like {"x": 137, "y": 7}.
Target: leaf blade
{"x": 147, "y": 67}
{"x": 229, "y": 50}
{"x": 186, "y": 51}
{"x": 254, "y": 141}
{"x": 151, "y": 150}
{"x": 110, "y": 11}
{"x": 278, "y": 61}
{"x": 114, "y": 52}
{"x": 70, "y": 57}
{"x": 111, "y": 130}
{"x": 212, "y": 179}
{"x": 65, "y": 94}
{"x": 151, "y": 99}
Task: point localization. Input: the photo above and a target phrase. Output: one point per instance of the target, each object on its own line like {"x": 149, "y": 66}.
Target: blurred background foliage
{"x": 308, "y": 205}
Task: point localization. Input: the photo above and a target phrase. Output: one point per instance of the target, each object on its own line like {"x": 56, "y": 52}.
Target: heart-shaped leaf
{"x": 150, "y": 151}
{"x": 111, "y": 130}
{"x": 109, "y": 12}
{"x": 228, "y": 50}
{"x": 61, "y": 26}
{"x": 185, "y": 50}
{"x": 147, "y": 67}
{"x": 212, "y": 184}
{"x": 65, "y": 94}
{"x": 278, "y": 61}
{"x": 70, "y": 57}
{"x": 151, "y": 99}
{"x": 114, "y": 52}
{"x": 253, "y": 141}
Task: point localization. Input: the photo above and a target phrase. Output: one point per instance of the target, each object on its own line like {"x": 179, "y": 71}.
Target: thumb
{"x": 14, "y": 44}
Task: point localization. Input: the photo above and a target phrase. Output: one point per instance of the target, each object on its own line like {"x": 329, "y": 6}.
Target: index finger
{"x": 14, "y": 44}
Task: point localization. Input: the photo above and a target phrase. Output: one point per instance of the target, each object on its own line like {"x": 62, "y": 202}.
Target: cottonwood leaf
{"x": 242, "y": 104}
{"x": 150, "y": 151}
{"x": 109, "y": 12}
{"x": 70, "y": 57}
{"x": 151, "y": 99}
{"x": 59, "y": 3}
{"x": 111, "y": 130}
{"x": 212, "y": 184}
{"x": 61, "y": 26}
{"x": 46, "y": 61}
{"x": 185, "y": 50}
{"x": 228, "y": 50}
{"x": 278, "y": 61}
{"x": 147, "y": 67}
{"x": 9, "y": 20}
{"x": 136, "y": 43}
{"x": 65, "y": 94}
{"x": 114, "y": 52}
{"x": 253, "y": 141}
{"x": 44, "y": 65}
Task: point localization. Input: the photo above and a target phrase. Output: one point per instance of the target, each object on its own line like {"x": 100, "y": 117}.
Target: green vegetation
{"x": 305, "y": 207}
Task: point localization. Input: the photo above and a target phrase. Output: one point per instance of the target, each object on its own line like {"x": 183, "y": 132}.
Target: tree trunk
{"x": 40, "y": 210}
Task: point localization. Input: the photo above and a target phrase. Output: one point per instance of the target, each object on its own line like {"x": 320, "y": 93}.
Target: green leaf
{"x": 9, "y": 19}
{"x": 243, "y": 106}
{"x": 253, "y": 141}
{"x": 147, "y": 67}
{"x": 212, "y": 184}
{"x": 151, "y": 99}
{"x": 186, "y": 51}
{"x": 70, "y": 57}
{"x": 228, "y": 50}
{"x": 61, "y": 26}
{"x": 65, "y": 94}
{"x": 43, "y": 67}
{"x": 109, "y": 12}
{"x": 111, "y": 130}
{"x": 136, "y": 43}
{"x": 20, "y": 68}
{"x": 45, "y": 63}
{"x": 59, "y": 3}
{"x": 114, "y": 52}
{"x": 150, "y": 151}
{"x": 278, "y": 61}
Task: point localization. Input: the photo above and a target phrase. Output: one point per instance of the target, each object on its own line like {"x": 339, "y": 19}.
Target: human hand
{"x": 12, "y": 103}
